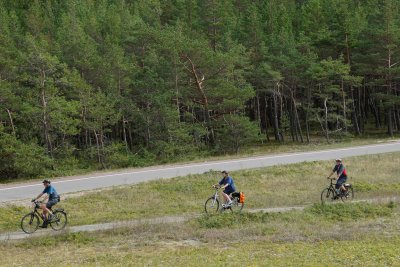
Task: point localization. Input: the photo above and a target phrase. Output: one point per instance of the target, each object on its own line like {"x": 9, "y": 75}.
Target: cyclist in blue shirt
{"x": 341, "y": 174}
{"x": 53, "y": 197}
{"x": 228, "y": 185}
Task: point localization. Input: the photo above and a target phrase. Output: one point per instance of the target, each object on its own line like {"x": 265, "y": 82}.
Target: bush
{"x": 19, "y": 160}
{"x": 233, "y": 132}
{"x": 116, "y": 156}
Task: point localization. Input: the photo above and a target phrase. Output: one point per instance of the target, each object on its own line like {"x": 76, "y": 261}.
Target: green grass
{"x": 343, "y": 234}
{"x": 289, "y": 185}
{"x": 371, "y": 252}
{"x": 311, "y": 238}
{"x": 315, "y": 213}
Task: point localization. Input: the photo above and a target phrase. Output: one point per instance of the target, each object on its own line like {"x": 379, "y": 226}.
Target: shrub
{"x": 233, "y": 132}
{"x": 21, "y": 160}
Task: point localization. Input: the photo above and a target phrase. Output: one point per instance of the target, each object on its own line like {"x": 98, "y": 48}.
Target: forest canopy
{"x": 119, "y": 83}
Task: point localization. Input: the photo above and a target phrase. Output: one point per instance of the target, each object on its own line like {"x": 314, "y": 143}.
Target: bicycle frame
{"x": 332, "y": 187}
{"x": 330, "y": 193}
{"x": 30, "y": 222}
{"x": 37, "y": 207}
{"x": 216, "y": 195}
{"x": 214, "y": 203}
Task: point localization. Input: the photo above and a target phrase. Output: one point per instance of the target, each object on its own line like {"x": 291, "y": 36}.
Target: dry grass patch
{"x": 296, "y": 238}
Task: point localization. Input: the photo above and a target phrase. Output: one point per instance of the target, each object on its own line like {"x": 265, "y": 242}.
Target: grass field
{"x": 355, "y": 234}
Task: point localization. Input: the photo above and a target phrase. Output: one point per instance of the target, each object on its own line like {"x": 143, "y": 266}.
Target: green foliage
{"x": 20, "y": 160}
{"x": 234, "y": 132}
{"x": 161, "y": 76}
{"x": 117, "y": 156}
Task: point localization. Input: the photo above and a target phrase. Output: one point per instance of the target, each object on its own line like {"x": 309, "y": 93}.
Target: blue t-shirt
{"x": 51, "y": 192}
{"x": 340, "y": 169}
{"x": 228, "y": 180}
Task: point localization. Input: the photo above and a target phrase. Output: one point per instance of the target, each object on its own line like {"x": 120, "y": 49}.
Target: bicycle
{"x": 30, "y": 222}
{"x": 212, "y": 204}
{"x": 330, "y": 194}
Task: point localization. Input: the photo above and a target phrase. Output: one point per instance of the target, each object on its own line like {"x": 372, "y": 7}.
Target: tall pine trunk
{"x": 276, "y": 120}
{"x": 45, "y": 115}
{"x": 200, "y": 89}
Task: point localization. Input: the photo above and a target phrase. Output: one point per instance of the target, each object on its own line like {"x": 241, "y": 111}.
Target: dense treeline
{"x": 116, "y": 83}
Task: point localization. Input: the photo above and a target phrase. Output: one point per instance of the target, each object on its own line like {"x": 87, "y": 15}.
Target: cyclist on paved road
{"x": 341, "y": 176}
{"x": 228, "y": 185}
{"x": 53, "y": 197}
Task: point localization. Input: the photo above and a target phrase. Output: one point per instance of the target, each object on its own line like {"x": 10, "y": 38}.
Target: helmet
{"x": 45, "y": 181}
{"x": 338, "y": 160}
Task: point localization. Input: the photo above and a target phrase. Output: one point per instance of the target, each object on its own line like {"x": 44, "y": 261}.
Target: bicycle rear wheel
{"x": 327, "y": 195}
{"x": 211, "y": 205}
{"x": 348, "y": 196}
{"x": 59, "y": 220}
{"x": 30, "y": 223}
{"x": 236, "y": 206}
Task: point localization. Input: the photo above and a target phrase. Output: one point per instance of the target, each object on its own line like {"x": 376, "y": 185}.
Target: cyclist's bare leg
{"x": 342, "y": 188}
{"x": 45, "y": 210}
{"x": 226, "y": 197}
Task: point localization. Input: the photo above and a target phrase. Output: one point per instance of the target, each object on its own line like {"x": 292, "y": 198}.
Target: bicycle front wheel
{"x": 59, "y": 220}
{"x": 211, "y": 205}
{"x": 348, "y": 196}
{"x": 327, "y": 195}
{"x": 30, "y": 223}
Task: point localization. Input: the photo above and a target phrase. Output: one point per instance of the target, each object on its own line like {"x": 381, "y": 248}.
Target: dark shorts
{"x": 228, "y": 191}
{"x": 340, "y": 181}
{"x": 51, "y": 203}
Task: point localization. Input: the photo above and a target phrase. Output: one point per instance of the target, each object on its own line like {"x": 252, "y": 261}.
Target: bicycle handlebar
{"x": 36, "y": 203}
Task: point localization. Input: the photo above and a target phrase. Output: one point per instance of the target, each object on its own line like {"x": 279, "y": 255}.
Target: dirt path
{"x": 113, "y": 225}
{"x": 160, "y": 220}
{"x": 93, "y": 227}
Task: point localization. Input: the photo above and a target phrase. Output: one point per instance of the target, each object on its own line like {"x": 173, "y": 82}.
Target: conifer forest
{"x": 121, "y": 83}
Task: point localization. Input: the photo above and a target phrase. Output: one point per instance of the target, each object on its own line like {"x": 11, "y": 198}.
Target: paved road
{"x": 81, "y": 183}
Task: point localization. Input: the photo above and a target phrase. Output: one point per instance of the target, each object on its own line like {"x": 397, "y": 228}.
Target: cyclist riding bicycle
{"x": 53, "y": 197}
{"x": 341, "y": 174}
{"x": 228, "y": 185}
